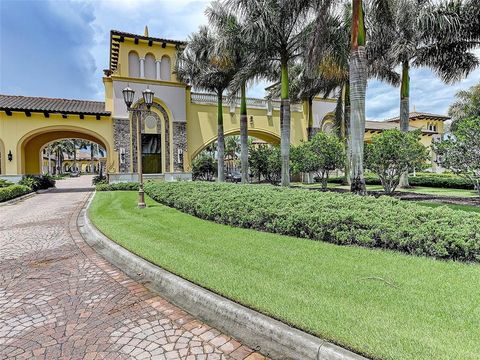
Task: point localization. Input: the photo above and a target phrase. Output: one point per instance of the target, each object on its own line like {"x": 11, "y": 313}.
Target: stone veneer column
{"x": 179, "y": 143}
{"x": 121, "y": 139}
{"x": 142, "y": 68}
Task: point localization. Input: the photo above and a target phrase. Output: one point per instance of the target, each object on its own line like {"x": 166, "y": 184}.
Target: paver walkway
{"x": 59, "y": 299}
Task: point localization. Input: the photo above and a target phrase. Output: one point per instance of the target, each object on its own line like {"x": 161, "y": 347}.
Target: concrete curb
{"x": 261, "y": 333}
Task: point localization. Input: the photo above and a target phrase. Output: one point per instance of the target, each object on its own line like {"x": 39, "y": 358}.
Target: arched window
{"x": 150, "y": 66}
{"x": 133, "y": 64}
{"x": 165, "y": 69}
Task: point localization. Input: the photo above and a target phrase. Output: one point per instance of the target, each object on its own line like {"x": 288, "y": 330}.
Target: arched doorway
{"x": 31, "y": 145}
{"x": 156, "y": 137}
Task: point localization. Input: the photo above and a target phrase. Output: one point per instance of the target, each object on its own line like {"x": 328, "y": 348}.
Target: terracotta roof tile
{"x": 41, "y": 104}
{"x": 416, "y": 114}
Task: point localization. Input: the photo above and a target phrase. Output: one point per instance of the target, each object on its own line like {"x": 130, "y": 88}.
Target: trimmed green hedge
{"x": 13, "y": 191}
{"x": 449, "y": 181}
{"x": 126, "y": 186}
{"x": 343, "y": 219}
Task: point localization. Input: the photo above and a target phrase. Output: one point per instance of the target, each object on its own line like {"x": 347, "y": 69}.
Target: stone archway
{"x": 163, "y": 124}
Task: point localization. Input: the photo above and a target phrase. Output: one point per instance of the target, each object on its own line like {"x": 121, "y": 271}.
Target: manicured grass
{"x": 380, "y": 303}
{"x": 469, "y": 208}
{"x": 417, "y": 189}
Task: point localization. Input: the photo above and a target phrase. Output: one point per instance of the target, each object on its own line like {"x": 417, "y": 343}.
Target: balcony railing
{"x": 211, "y": 99}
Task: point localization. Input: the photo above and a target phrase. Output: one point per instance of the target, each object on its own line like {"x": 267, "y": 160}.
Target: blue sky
{"x": 58, "y": 48}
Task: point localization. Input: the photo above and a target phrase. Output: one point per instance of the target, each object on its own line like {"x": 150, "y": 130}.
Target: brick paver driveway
{"x": 59, "y": 299}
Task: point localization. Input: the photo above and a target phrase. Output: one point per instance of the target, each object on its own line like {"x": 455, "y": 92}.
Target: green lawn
{"x": 451, "y": 206}
{"x": 382, "y": 304}
{"x": 419, "y": 190}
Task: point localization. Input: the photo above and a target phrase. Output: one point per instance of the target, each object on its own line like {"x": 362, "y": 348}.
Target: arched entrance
{"x": 30, "y": 146}
{"x": 266, "y": 136}
{"x": 156, "y": 138}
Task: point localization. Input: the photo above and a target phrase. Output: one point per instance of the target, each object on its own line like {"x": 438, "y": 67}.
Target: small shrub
{"x": 125, "y": 186}
{"x": 13, "y": 191}
{"x": 5, "y": 183}
{"x": 204, "y": 168}
{"x": 99, "y": 179}
{"x": 37, "y": 182}
{"x": 343, "y": 219}
{"x": 392, "y": 153}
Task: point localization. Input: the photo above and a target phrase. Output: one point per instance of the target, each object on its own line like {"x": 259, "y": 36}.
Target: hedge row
{"x": 343, "y": 219}
{"x": 424, "y": 179}
{"x": 126, "y": 186}
{"x": 13, "y": 191}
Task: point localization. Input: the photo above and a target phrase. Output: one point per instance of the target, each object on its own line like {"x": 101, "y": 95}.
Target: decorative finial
{"x": 146, "y": 31}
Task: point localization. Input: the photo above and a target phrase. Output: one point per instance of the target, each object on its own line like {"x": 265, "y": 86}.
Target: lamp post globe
{"x": 128, "y": 95}
{"x": 148, "y": 97}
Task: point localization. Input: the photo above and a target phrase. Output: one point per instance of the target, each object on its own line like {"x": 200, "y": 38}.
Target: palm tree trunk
{"x": 358, "y": 85}
{"x": 285, "y": 127}
{"x": 405, "y": 112}
{"x": 92, "y": 161}
{"x": 74, "y": 155}
{"x": 346, "y": 132}
{"x": 221, "y": 140}
{"x": 243, "y": 135}
{"x": 49, "y": 149}
{"x": 310, "y": 118}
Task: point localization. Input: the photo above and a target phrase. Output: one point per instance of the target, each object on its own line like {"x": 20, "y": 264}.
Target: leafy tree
{"x": 277, "y": 30}
{"x": 439, "y": 35}
{"x": 324, "y": 153}
{"x": 392, "y": 153}
{"x": 203, "y": 168}
{"x": 265, "y": 162}
{"x": 466, "y": 105}
{"x": 461, "y": 152}
{"x": 200, "y": 65}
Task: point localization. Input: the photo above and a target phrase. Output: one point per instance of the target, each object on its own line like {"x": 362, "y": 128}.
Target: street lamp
{"x": 128, "y": 97}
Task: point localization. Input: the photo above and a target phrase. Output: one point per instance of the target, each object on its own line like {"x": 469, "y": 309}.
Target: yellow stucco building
{"x": 180, "y": 124}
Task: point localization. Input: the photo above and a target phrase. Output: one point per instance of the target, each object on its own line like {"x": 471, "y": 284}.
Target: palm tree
{"x": 199, "y": 65}
{"x": 427, "y": 34}
{"x": 358, "y": 85}
{"x": 276, "y": 30}
{"x": 60, "y": 148}
{"x": 466, "y": 105}
{"x": 232, "y": 45}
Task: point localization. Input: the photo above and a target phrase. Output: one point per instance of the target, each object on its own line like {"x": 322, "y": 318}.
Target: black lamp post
{"x": 128, "y": 97}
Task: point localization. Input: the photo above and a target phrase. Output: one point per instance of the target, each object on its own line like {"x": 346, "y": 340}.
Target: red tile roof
{"x": 52, "y": 105}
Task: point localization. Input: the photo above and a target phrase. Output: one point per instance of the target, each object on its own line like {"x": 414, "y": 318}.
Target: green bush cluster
{"x": 126, "y": 186}
{"x": 449, "y": 181}
{"x": 37, "y": 182}
{"x": 99, "y": 179}
{"x": 13, "y": 191}
{"x": 4, "y": 183}
{"x": 343, "y": 219}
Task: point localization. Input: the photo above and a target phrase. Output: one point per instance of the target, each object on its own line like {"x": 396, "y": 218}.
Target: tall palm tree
{"x": 200, "y": 65}
{"x": 60, "y": 148}
{"x": 427, "y": 34}
{"x": 358, "y": 85}
{"x": 232, "y": 45}
{"x": 277, "y": 30}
